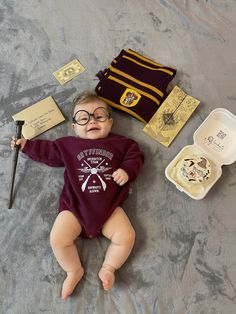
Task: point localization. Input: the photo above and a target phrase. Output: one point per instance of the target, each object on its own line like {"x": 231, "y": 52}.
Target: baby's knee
{"x": 54, "y": 239}
{"x": 131, "y": 235}
{"x": 57, "y": 240}
{"x": 127, "y": 236}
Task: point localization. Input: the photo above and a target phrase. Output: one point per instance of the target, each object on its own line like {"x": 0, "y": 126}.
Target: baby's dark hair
{"x": 85, "y": 98}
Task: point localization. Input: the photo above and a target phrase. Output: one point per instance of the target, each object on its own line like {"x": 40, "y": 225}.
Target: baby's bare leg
{"x": 64, "y": 231}
{"x": 122, "y": 235}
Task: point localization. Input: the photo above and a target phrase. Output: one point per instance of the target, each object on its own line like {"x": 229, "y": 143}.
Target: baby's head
{"x": 91, "y": 117}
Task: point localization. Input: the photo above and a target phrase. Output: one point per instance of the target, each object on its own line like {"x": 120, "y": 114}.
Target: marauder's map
{"x": 171, "y": 116}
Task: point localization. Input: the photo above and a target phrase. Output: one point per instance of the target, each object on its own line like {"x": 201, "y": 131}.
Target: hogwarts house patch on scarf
{"x": 134, "y": 84}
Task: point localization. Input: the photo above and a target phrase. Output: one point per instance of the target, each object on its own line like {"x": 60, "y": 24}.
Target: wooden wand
{"x": 19, "y": 124}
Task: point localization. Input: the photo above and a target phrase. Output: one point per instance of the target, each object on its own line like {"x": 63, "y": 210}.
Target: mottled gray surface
{"x": 184, "y": 260}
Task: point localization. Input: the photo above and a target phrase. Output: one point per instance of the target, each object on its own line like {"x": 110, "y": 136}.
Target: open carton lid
{"x": 216, "y": 136}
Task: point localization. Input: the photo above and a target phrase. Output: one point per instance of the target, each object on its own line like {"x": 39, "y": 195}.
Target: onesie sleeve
{"x": 133, "y": 160}
{"x": 44, "y": 151}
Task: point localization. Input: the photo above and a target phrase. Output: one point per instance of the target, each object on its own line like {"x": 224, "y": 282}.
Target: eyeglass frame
{"x": 90, "y": 115}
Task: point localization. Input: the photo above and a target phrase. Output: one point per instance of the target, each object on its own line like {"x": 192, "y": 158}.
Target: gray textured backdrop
{"x": 184, "y": 260}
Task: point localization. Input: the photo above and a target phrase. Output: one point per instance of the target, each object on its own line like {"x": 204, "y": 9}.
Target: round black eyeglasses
{"x": 82, "y": 117}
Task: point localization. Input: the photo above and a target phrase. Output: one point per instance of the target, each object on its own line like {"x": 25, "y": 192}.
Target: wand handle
{"x": 19, "y": 124}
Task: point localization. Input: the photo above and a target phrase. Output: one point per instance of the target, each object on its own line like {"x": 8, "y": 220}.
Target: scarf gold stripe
{"x": 131, "y": 78}
{"x": 146, "y": 66}
{"x": 143, "y": 58}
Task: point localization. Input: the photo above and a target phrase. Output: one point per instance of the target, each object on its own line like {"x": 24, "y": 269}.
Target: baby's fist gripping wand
{"x": 19, "y": 124}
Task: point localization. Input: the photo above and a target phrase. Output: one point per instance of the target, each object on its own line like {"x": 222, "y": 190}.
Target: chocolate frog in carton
{"x": 197, "y": 167}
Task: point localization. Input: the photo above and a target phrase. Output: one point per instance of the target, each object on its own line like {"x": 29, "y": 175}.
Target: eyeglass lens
{"x": 82, "y": 117}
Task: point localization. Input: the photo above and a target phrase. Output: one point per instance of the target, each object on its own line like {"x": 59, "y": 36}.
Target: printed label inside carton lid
{"x": 216, "y": 136}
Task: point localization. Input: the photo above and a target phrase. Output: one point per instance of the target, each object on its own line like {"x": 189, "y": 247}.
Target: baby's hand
{"x": 120, "y": 176}
{"x": 15, "y": 142}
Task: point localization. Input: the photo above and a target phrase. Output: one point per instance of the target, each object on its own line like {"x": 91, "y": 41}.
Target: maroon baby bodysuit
{"x": 89, "y": 190}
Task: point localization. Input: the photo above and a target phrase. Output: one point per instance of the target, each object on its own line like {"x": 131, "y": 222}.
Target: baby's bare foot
{"x": 107, "y": 276}
{"x": 70, "y": 282}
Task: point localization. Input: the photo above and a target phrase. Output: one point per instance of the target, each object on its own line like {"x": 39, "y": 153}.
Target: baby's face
{"x": 94, "y": 129}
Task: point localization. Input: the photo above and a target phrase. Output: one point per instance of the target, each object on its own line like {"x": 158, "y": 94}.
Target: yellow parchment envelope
{"x": 172, "y": 115}
{"x": 39, "y": 117}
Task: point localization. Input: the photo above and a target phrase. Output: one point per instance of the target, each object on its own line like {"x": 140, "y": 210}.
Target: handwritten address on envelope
{"x": 39, "y": 117}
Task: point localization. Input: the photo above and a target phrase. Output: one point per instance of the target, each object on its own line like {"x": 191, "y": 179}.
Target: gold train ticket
{"x": 69, "y": 71}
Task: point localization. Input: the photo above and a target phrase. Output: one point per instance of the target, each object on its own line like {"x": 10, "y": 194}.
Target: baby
{"x": 99, "y": 166}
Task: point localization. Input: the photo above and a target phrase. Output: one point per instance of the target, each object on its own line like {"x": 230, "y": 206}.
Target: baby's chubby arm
{"x": 20, "y": 141}
{"x": 39, "y": 150}
{"x": 120, "y": 176}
